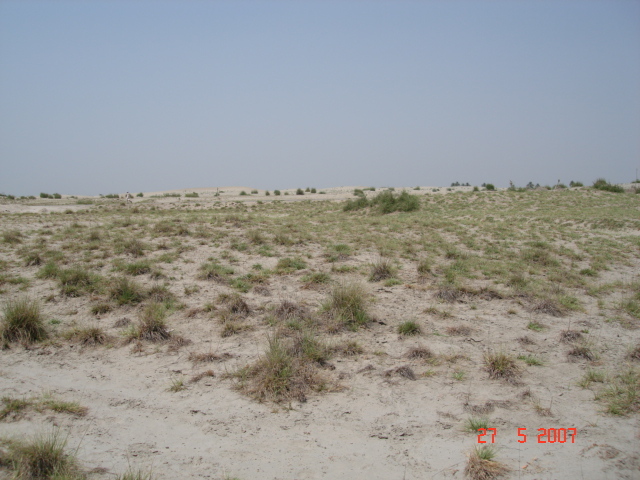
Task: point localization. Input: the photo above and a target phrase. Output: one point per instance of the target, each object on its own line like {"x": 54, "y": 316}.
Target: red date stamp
{"x": 545, "y": 435}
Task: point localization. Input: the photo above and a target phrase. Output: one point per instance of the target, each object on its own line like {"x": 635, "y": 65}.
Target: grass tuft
{"x": 482, "y": 466}
{"x": 502, "y": 366}
{"x": 22, "y": 321}
{"x": 347, "y": 304}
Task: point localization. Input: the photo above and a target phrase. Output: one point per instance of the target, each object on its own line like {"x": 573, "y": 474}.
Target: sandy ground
{"x": 375, "y": 425}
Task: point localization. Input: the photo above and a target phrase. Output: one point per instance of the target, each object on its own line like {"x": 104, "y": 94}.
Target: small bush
{"x": 243, "y": 193}
{"x": 299, "y": 192}
{"x": 490, "y": 187}
{"x": 313, "y": 190}
{"x": 22, "y": 320}
{"x": 192, "y": 195}
{"x": 140, "y": 195}
{"x": 387, "y": 202}
{"x": 276, "y": 192}
{"x": 602, "y": 184}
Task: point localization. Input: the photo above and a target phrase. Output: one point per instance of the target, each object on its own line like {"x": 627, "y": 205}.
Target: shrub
{"x": 358, "y": 204}
{"x": 276, "y": 192}
{"x": 299, "y": 192}
{"x": 254, "y": 192}
{"x": 243, "y": 193}
{"x": 267, "y": 193}
{"x": 313, "y": 190}
{"x": 602, "y": 184}
{"x": 140, "y": 194}
{"x": 490, "y": 186}
{"x": 192, "y": 195}
{"x": 45, "y": 195}
{"x": 387, "y": 202}
{"x": 57, "y": 195}
{"x": 22, "y": 320}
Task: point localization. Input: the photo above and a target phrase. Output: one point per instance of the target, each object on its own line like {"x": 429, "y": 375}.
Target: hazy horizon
{"x": 101, "y": 97}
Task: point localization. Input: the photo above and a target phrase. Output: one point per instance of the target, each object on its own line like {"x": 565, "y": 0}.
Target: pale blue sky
{"x": 110, "y": 96}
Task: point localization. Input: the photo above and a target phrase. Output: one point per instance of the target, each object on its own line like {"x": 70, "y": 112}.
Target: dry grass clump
{"x": 346, "y": 305}
{"x": 449, "y": 293}
{"x": 39, "y": 458}
{"x": 208, "y": 357}
{"x": 126, "y": 291}
{"x": 288, "y": 310}
{"x": 502, "y": 366}
{"x": 89, "y": 336}
{"x": 549, "y": 306}
{"x": 482, "y": 466}
{"x": 12, "y": 236}
{"x": 423, "y": 353}
{"x": 459, "y": 330}
{"x": 235, "y": 304}
{"x": 404, "y": 371}
{"x": 199, "y": 376}
{"x": 382, "y": 269}
{"x": 76, "y": 281}
{"x": 409, "y": 328}
{"x": 583, "y": 350}
{"x": 22, "y": 321}
{"x": 286, "y": 371}
{"x": 214, "y": 271}
{"x": 570, "y": 336}
{"x": 634, "y": 354}
{"x": 152, "y": 325}
{"x": 160, "y": 294}
{"x": 349, "y": 348}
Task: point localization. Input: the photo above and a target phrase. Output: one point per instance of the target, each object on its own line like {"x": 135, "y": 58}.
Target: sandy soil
{"x": 376, "y": 424}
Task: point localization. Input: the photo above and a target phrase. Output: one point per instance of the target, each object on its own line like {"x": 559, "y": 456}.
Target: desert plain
{"x": 339, "y": 333}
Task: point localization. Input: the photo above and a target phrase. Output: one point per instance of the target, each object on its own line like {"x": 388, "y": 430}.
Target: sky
{"x": 112, "y": 96}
